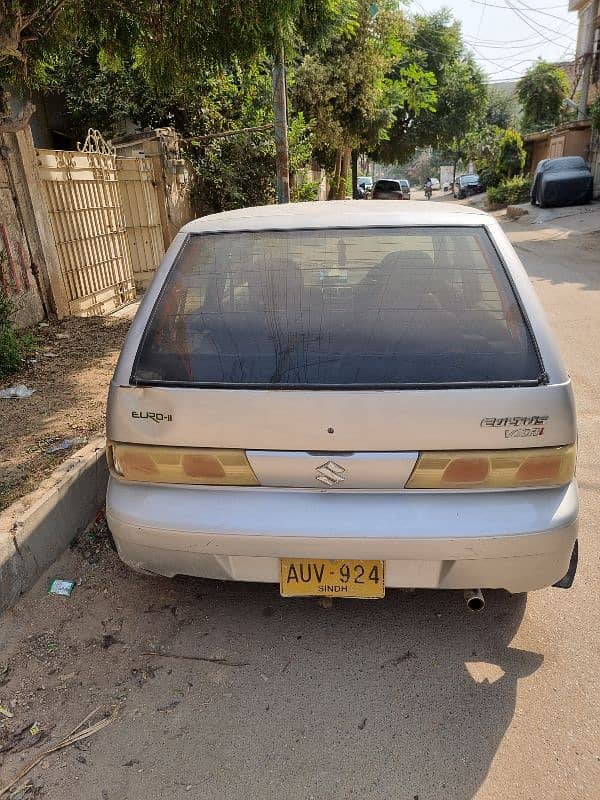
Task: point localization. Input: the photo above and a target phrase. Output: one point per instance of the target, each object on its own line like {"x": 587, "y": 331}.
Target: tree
{"x": 435, "y": 43}
{"x": 170, "y": 63}
{"x": 541, "y": 92}
{"x": 511, "y": 154}
{"x": 170, "y": 39}
{"x": 501, "y": 107}
{"x": 350, "y": 87}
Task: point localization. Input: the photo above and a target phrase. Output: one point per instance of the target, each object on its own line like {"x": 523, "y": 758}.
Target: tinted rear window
{"x": 338, "y": 308}
{"x": 388, "y": 186}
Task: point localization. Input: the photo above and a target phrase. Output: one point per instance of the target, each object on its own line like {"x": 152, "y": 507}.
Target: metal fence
{"x": 88, "y": 224}
{"x": 139, "y": 201}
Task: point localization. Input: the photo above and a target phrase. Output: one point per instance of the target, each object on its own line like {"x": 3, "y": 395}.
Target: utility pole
{"x": 588, "y": 60}
{"x": 282, "y": 158}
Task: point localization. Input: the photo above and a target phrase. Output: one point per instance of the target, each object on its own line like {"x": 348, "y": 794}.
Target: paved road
{"x": 411, "y": 697}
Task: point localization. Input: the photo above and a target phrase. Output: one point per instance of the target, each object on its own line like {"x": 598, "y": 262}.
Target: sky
{"x": 507, "y": 36}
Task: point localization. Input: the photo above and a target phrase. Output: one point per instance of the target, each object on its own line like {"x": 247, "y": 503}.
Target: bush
{"x": 511, "y": 154}
{"x": 308, "y": 190}
{"x": 509, "y": 192}
{"x": 14, "y": 347}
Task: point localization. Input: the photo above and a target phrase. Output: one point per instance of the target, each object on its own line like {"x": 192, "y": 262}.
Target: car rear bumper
{"x": 517, "y": 541}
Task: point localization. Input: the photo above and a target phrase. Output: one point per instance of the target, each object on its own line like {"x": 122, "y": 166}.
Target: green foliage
{"x": 97, "y": 92}
{"x": 171, "y": 40}
{"x": 237, "y": 170}
{"x": 497, "y": 154}
{"x": 355, "y": 85}
{"x": 300, "y": 142}
{"x": 305, "y": 191}
{"x": 511, "y": 154}
{"x": 501, "y": 108}
{"x": 434, "y": 42}
{"x": 541, "y": 92}
{"x": 14, "y": 346}
{"x": 510, "y": 191}
{"x": 595, "y": 114}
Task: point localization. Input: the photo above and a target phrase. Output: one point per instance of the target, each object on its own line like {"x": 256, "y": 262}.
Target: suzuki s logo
{"x": 330, "y": 473}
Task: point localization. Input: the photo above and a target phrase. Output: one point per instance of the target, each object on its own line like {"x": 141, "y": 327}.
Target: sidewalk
{"x": 562, "y": 222}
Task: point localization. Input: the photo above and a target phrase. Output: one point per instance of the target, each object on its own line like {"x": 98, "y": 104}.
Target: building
{"x": 585, "y": 11}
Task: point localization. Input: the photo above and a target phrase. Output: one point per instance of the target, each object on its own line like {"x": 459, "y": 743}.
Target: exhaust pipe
{"x": 474, "y": 599}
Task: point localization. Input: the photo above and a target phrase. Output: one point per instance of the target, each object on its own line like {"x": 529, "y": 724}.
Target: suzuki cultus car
{"x": 342, "y": 398}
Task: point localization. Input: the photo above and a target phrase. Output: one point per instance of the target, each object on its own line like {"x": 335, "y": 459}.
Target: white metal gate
{"x": 135, "y": 180}
{"x": 88, "y": 224}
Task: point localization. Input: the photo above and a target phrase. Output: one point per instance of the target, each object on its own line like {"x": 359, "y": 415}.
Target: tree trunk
{"x": 335, "y": 184}
{"x": 9, "y": 124}
{"x": 355, "y": 194}
{"x": 344, "y": 165}
{"x": 281, "y": 140}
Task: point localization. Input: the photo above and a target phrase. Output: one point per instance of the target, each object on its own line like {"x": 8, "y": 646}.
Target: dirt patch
{"x": 62, "y": 657}
{"x": 70, "y": 373}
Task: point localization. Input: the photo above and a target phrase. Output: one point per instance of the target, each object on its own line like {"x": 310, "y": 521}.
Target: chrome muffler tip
{"x": 474, "y": 599}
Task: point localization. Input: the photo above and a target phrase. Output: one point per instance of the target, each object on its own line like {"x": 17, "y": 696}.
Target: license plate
{"x": 340, "y": 578}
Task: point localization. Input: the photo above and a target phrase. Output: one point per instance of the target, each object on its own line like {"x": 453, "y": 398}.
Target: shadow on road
{"x": 560, "y": 261}
{"x": 405, "y": 698}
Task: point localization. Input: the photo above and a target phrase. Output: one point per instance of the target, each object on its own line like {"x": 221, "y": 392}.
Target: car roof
{"x": 338, "y": 214}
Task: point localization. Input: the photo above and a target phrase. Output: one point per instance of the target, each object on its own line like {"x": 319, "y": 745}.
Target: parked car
{"x": 366, "y": 182}
{"x": 387, "y": 189}
{"x": 467, "y": 185}
{"x": 562, "y": 182}
{"x": 340, "y": 398}
{"x": 435, "y": 184}
{"x": 405, "y": 187}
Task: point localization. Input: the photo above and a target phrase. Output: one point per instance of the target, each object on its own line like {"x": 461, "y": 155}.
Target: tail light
{"x": 152, "y": 464}
{"x": 494, "y": 469}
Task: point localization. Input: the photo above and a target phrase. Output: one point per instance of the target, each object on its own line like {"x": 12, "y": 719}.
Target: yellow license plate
{"x": 340, "y": 578}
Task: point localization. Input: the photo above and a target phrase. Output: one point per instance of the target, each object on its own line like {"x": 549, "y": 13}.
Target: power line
{"x": 480, "y": 43}
{"x": 530, "y": 24}
{"x": 531, "y": 10}
{"x": 525, "y": 40}
{"x": 503, "y": 68}
{"x": 473, "y": 45}
{"x": 483, "y": 10}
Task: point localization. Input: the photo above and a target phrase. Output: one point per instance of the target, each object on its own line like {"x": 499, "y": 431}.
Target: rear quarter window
{"x": 383, "y": 308}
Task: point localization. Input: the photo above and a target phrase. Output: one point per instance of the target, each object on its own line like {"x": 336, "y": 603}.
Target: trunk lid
{"x": 374, "y": 436}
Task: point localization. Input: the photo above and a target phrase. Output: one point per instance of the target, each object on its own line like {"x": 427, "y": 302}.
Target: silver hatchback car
{"x": 341, "y": 398}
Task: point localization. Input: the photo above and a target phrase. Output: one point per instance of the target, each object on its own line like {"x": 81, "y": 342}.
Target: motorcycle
{"x": 428, "y": 192}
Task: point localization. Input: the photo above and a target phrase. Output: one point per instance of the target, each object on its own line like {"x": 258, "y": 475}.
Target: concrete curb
{"x": 36, "y": 529}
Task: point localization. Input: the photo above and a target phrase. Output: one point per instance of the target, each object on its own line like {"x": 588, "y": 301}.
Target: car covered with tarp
{"x": 562, "y": 182}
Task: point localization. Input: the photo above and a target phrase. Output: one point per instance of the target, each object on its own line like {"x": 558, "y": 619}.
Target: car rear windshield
{"x": 470, "y": 179}
{"x": 352, "y": 308}
{"x": 388, "y": 186}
